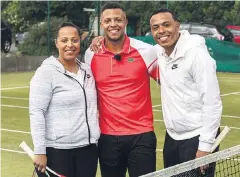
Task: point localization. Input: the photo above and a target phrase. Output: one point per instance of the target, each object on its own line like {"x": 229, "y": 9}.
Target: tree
{"x": 213, "y": 12}
{"x": 23, "y": 14}
{"x": 233, "y": 17}
{"x": 142, "y": 9}
{"x": 73, "y": 10}
{"x": 36, "y": 43}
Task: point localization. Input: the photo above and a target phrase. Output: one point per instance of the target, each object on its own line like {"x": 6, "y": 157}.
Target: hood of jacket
{"x": 186, "y": 42}
{"x": 54, "y": 63}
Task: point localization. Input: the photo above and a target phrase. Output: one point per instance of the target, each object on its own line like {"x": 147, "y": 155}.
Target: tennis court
{"x": 15, "y": 120}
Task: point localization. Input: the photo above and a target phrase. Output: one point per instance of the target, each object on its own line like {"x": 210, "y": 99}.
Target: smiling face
{"x": 68, "y": 43}
{"x": 114, "y": 22}
{"x": 165, "y": 30}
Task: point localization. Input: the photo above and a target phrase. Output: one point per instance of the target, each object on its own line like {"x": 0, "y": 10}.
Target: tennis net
{"x": 224, "y": 163}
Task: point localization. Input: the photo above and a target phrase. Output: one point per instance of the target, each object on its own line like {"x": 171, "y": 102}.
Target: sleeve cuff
{"x": 204, "y": 146}
{"x": 39, "y": 150}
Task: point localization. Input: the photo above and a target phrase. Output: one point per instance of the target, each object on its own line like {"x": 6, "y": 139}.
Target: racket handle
{"x": 27, "y": 149}
{"x": 29, "y": 152}
{"x": 220, "y": 137}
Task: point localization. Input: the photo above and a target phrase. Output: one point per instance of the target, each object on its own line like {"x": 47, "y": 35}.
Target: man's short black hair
{"x": 164, "y": 11}
{"x": 112, "y": 5}
{"x": 67, "y": 24}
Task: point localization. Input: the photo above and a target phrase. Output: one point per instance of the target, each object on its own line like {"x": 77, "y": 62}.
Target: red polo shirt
{"x": 123, "y": 87}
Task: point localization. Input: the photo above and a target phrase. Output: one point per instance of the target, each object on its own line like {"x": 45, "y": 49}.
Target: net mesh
{"x": 224, "y": 163}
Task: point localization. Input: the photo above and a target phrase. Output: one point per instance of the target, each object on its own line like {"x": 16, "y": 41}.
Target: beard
{"x": 115, "y": 39}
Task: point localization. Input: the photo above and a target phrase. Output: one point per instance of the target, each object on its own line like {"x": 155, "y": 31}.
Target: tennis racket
{"x": 218, "y": 140}
{"x": 220, "y": 137}
{"x": 30, "y": 153}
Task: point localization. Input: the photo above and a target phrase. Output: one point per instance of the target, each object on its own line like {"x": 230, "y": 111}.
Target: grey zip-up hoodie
{"x": 63, "y": 112}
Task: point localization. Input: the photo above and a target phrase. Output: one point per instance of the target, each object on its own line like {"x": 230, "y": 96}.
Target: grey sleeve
{"x": 39, "y": 98}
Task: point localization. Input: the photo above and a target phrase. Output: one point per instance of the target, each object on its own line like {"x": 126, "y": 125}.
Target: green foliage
{"x": 233, "y": 15}
{"x": 23, "y": 14}
{"x": 73, "y": 10}
{"x": 213, "y": 12}
{"x": 219, "y": 13}
{"x": 27, "y": 15}
{"x": 142, "y": 9}
{"x": 37, "y": 40}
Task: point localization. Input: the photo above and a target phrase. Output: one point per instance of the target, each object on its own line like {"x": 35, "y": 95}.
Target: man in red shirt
{"x": 121, "y": 69}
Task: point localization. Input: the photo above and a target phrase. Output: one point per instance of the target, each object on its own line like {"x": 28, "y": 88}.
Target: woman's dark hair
{"x": 67, "y": 24}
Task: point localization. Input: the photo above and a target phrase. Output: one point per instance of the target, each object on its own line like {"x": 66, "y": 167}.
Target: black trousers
{"x": 179, "y": 151}
{"x": 78, "y": 162}
{"x": 137, "y": 153}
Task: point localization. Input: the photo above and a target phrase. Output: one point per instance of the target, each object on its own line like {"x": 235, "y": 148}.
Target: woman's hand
{"x": 40, "y": 162}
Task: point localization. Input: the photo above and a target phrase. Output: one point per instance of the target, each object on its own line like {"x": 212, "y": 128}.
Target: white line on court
{"x": 231, "y": 80}
{"x": 10, "y": 150}
{"x": 234, "y": 128}
{"x": 16, "y": 98}
{"x": 233, "y": 93}
{"x": 13, "y": 106}
{"x": 236, "y": 117}
{"x": 157, "y": 110}
{"x": 14, "y": 131}
{"x": 12, "y": 88}
{"x": 156, "y": 105}
{"x": 158, "y": 120}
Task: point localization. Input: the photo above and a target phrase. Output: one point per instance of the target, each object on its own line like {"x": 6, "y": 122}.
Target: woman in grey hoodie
{"x": 63, "y": 110}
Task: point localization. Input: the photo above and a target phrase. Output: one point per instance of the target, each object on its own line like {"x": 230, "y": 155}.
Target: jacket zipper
{"x": 85, "y": 98}
{"x": 86, "y": 107}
